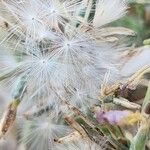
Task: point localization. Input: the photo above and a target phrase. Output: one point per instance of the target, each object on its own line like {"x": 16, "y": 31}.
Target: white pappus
{"x": 60, "y": 60}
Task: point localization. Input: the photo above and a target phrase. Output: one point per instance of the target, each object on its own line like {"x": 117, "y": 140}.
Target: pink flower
{"x": 112, "y": 116}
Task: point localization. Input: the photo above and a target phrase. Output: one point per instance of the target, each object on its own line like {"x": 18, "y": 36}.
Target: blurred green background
{"x": 137, "y": 19}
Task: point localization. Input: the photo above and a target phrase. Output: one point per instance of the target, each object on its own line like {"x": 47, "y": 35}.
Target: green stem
{"x": 139, "y": 141}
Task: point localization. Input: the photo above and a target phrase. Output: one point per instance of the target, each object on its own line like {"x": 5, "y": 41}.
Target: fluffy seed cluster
{"x": 59, "y": 52}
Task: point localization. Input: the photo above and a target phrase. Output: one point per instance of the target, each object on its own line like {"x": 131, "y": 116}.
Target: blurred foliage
{"x": 137, "y": 20}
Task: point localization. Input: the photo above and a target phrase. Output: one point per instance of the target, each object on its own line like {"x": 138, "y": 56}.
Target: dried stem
{"x": 71, "y": 137}
{"x": 75, "y": 125}
{"x": 79, "y": 113}
{"x": 131, "y": 82}
{"x": 10, "y": 114}
{"x": 8, "y": 118}
{"x": 127, "y": 104}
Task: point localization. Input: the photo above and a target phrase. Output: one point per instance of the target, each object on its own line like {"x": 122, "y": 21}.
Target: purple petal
{"x": 112, "y": 116}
